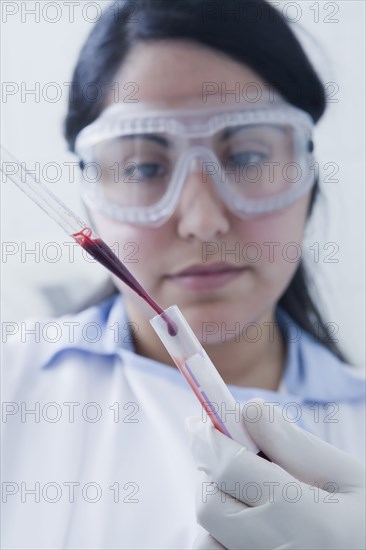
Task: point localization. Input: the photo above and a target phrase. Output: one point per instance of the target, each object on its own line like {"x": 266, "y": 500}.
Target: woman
{"x": 209, "y": 214}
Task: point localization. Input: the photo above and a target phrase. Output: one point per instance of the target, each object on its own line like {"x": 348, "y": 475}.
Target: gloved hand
{"x": 312, "y": 496}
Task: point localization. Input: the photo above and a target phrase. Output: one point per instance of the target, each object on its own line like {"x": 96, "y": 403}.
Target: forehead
{"x": 171, "y": 72}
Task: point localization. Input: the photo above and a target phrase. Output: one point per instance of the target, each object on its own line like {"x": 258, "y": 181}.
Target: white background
{"x": 44, "y": 51}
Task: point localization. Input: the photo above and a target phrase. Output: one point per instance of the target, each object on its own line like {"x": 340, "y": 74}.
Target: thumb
{"x": 300, "y": 453}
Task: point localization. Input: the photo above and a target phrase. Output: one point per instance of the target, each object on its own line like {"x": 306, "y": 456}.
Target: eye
{"x": 144, "y": 171}
{"x": 246, "y": 157}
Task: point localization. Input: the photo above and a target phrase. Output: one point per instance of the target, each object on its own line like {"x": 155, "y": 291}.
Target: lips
{"x": 207, "y": 277}
{"x": 202, "y": 269}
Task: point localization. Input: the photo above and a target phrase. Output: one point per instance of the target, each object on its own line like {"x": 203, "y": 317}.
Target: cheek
{"x": 273, "y": 244}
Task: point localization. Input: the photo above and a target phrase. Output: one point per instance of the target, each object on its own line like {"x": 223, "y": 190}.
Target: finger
{"x": 234, "y": 469}
{"x": 235, "y": 525}
{"x": 302, "y": 454}
{"x": 204, "y": 541}
{"x": 215, "y": 512}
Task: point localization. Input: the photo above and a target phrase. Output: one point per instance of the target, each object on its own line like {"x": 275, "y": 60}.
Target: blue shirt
{"x": 95, "y": 454}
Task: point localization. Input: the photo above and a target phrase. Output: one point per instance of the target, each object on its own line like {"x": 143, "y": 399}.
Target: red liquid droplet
{"x": 101, "y": 252}
{"x": 171, "y": 325}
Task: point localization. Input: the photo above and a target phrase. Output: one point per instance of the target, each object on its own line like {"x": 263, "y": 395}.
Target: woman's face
{"x": 202, "y": 230}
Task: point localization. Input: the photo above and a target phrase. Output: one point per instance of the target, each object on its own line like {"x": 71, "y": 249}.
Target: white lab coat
{"x": 104, "y": 462}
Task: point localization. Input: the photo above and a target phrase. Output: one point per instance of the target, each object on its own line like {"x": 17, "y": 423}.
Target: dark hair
{"x": 251, "y": 32}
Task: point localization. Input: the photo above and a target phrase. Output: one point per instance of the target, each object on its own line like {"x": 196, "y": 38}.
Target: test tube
{"x": 202, "y": 376}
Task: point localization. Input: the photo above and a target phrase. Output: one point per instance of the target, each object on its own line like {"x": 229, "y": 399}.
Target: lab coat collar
{"x": 312, "y": 373}
{"x": 95, "y": 330}
{"x": 315, "y": 373}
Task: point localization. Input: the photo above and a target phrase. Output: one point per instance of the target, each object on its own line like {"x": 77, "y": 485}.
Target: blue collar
{"x": 312, "y": 372}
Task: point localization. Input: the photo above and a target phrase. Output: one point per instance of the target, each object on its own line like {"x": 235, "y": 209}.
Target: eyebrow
{"x": 230, "y": 131}
{"x": 152, "y": 137}
{"x": 234, "y": 129}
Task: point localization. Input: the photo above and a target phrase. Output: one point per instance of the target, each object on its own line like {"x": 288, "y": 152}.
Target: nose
{"x": 201, "y": 213}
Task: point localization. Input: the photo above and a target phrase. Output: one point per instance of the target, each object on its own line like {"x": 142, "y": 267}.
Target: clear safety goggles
{"x": 136, "y": 160}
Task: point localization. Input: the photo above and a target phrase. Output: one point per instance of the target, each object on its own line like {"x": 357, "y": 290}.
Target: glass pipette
{"x": 40, "y": 193}
{"x": 170, "y": 324}
{"x": 71, "y": 223}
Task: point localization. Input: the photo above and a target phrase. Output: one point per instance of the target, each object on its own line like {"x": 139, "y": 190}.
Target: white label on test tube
{"x": 201, "y": 374}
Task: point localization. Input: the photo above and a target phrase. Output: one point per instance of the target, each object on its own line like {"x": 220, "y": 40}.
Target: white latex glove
{"x": 312, "y": 496}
